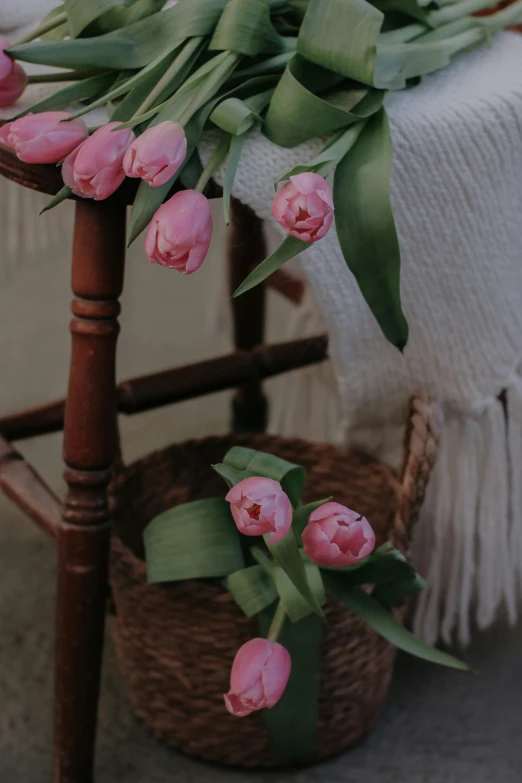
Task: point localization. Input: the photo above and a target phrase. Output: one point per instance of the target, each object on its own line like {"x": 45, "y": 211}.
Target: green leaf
{"x": 341, "y": 35}
{"x": 295, "y": 605}
{"x": 258, "y": 463}
{"x": 121, "y": 17}
{"x": 237, "y": 116}
{"x": 389, "y": 570}
{"x": 333, "y": 151}
{"x": 301, "y": 516}
{"x": 253, "y": 589}
{"x": 396, "y": 591}
{"x": 289, "y": 248}
{"x": 292, "y": 723}
{"x": 62, "y": 194}
{"x": 133, "y": 46}
{"x": 81, "y": 13}
{"x": 287, "y": 554}
{"x": 297, "y": 114}
{"x": 236, "y": 147}
{"x": 371, "y": 611}
{"x": 76, "y": 91}
{"x": 397, "y": 63}
{"x": 366, "y": 227}
{"x": 245, "y": 27}
{"x": 193, "y": 541}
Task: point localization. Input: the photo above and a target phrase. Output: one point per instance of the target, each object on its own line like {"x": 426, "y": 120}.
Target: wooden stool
{"x": 81, "y": 525}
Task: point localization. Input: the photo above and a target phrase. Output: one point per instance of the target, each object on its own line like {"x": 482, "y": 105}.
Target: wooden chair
{"x": 81, "y": 524}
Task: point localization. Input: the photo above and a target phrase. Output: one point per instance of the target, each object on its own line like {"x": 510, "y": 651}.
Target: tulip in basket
{"x": 256, "y": 624}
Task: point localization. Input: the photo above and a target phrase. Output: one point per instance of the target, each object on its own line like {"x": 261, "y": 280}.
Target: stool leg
{"x": 246, "y": 249}
{"x": 89, "y": 451}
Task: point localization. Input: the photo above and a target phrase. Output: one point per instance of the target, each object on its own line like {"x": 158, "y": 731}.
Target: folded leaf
{"x": 236, "y": 116}
{"x": 371, "y": 611}
{"x": 193, "y": 541}
{"x": 341, "y": 35}
{"x": 296, "y": 113}
{"x": 249, "y": 462}
{"x": 292, "y": 723}
{"x": 253, "y": 589}
{"x": 366, "y": 227}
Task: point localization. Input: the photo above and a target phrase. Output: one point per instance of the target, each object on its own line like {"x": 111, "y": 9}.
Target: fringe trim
{"x": 468, "y": 543}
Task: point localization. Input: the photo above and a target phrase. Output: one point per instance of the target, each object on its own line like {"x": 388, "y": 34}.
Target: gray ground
{"x": 439, "y": 725}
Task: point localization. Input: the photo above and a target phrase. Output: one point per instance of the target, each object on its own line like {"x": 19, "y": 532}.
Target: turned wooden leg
{"x": 89, "y": 451}
{"x": 246, "y": 249}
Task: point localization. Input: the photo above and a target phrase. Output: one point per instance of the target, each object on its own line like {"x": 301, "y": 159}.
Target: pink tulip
{"x": 260, "y": 506}
{"x": 95, "y": 169}
{"x": 259, "y": 677}
{"x": 157, "y": 154}
{"x": 12, "y": 77}
{"x": 336, "y": 536}
{"x": 304, "y": 207}
{"x": 45, "y": 138}
{"x": 180, "y": 232}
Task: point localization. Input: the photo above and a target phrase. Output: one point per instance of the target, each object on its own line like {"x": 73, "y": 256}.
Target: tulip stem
{"x": 175, "y": 68}
{"x": 44, "y": 27}
{"x": 214, "y": 163}
{"x": 277, "y": 623}
{"x": 62, "y": 76}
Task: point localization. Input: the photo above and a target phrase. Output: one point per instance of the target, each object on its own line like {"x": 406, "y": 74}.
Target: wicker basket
{"x": 176, "y": 642}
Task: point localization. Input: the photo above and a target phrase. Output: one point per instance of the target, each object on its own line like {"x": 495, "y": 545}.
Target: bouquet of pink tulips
{"x": 298, "y": 68}
{"x": 297, "y": 554}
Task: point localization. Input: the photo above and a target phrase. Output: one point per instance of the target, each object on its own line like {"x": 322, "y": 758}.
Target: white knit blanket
{"x": 457, "y": 198}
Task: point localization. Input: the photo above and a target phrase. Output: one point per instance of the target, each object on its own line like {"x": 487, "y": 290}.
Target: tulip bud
{"x": 95, "y": 169}
{"x": 259, "y": 677}
{"x": 336, "y": 536}
{"x": 13, "y": 78}
{"x": 180, "y": 232}
{"x": 260, "y": 506}
{"x": 157, "y": 154}
{"x": 45, "y": 138}
{"x": 304, "y": 207}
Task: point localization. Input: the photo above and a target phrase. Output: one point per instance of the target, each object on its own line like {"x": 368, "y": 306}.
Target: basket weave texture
{"x": 176, "y": 642}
